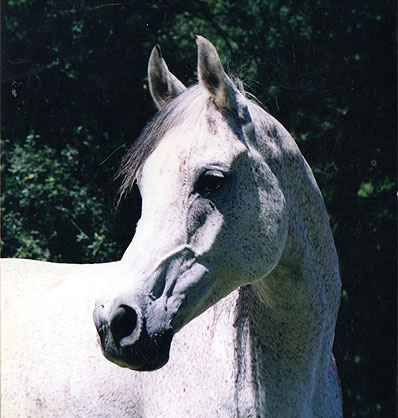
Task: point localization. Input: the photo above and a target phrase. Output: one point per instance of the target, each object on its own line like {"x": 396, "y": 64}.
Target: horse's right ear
{"x": 163, "y": 85}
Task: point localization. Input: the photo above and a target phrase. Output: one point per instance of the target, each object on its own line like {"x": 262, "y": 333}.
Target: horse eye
{"x": 209, "y": 182}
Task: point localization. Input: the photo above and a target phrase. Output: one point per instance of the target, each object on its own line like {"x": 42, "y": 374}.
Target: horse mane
{"x": 184, "y": 110}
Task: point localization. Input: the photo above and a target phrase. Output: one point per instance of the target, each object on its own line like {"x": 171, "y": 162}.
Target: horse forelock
{"x": 183, "y": 112}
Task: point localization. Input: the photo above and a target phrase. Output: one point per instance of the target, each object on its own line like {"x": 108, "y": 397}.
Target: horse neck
{"x": 285, "y": 321}
{"x": 284, "y": 331}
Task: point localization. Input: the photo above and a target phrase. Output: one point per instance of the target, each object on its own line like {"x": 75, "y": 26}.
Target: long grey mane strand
{"x": 184, "y": 109}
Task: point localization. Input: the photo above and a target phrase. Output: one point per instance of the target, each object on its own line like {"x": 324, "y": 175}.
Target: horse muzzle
{"x": 125, "y": 339}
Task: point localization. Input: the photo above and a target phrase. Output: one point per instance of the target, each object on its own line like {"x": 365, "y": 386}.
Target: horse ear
{"x": 212, "y": 75}
{"x": 163, "y": 85}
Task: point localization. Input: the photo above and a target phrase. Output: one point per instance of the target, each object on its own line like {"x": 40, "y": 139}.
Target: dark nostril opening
{"x": 123, "y": 322}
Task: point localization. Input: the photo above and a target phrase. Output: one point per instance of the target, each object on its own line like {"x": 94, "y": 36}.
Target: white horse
{"x": 232, "y": 265}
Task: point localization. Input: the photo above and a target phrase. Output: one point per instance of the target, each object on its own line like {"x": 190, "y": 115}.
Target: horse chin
{"x": 133, "y": 364}
{"x": 147, "y": 354}
{"x": 152, "y": 367}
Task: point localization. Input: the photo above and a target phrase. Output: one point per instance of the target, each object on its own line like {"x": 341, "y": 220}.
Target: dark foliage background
{"x": 74, "y": 97}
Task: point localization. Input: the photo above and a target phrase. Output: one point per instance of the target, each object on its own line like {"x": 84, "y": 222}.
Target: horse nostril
{"x": 123, "y": 322}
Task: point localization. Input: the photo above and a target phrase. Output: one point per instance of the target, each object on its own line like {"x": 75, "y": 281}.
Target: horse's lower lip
{"x": 146, "y": 354}
{"x": 152, "y": 367}
{"x": 141, "y": 364}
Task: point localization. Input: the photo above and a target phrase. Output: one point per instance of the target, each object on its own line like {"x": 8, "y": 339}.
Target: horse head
{"x": 214, "y": 216}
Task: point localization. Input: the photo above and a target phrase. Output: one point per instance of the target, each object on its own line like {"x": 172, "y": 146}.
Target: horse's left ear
{"x": 163, "y": 85}
{"x": 212, "y": 75}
